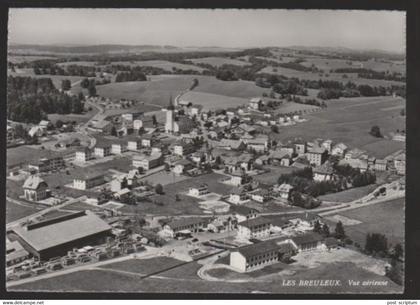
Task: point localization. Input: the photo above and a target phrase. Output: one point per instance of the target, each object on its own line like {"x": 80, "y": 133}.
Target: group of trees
{"x": 305, "y": 188}
{"x": 130, "y": 76}
{"x": 42, "y": 67}
{"x": 31, "y": 99}
{"x": 339, "y": 232}
{"x": 90, "y": 85}
{"x": 372, "y": 74}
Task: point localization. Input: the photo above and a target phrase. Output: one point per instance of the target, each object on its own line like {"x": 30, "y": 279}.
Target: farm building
{"x": 259, "y": 255}
{"x": 54, "y": 237}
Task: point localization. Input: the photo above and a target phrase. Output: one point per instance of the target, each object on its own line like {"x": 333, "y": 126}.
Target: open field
{"x": 331, "y": 76}
{"x": 102, "y": 280}
{"x": 162, "y": 64}
{"x": 16, "y": 211}
{"x": 219, "y": 61}
{"x": 78, "y": 63}
{"x": 144, "y": 266}
{"x": 56, "y": 79}
{"x": 349, "y": 121}
{"x": 288, "y": 107}
{"x": 349, "y": 195}
{"x": 386, "y": 218}
{"x": 16, "y": 59}
{"x": 328, "y": 64}
{"x": 159, "y": 89}
{"x": 213, "y": 101}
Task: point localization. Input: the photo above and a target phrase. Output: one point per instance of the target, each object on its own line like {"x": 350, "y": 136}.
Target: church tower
{"x": 170, "y": 117}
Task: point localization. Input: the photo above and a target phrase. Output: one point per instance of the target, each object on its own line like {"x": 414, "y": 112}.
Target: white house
{"x": 35, "y": 188}
{"x": 83, "y": 155}
{"x": 258, "y": 227}
{"x": 118, "y": 148}
{"x": 200, "y": 190}
{"x": 238, "y": 196}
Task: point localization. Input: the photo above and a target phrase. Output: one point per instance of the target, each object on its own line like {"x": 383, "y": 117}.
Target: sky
{"x": 384, "y": 30}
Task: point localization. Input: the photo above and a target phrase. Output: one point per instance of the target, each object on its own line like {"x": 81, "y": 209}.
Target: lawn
{"x": 349, "y": 121}
{"x": 349, "y": 195}
{"x": 79, "y": 118}
{"x": 26, "y": 154}
{"x": 273, "y": 175}
{"x": 386, "y": 218}
{"x": 159, "y": 89}
{"x": 164, "y": 178}
{"x": 80, "y": 206}
{"x": 107, "y": 281}
{"x": 16, "y": 211}
{"x": 186, "y": 205}
{"x": 219, "y": 61}
{"x": 144, "y": 266}
{"x": 186, "y": 271}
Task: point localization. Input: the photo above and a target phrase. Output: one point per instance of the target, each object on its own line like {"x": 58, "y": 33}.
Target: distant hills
{"x": 137, "y": 49}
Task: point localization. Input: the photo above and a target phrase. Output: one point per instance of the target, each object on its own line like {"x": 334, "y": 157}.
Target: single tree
{"x": 376, "y": 131}
{"x": 317, "y": 227}
{"x": 325, "y": 230}
{"x": 59, "y": 124}
{"x": 339, "y": 230}
{"x": 114, "y": 131}
{"x": 159, "y": 189}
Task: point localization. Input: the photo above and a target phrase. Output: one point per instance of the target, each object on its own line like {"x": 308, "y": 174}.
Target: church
{"x": 177, "y": 123}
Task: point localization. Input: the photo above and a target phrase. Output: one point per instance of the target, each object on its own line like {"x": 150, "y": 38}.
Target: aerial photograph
{"x": 221, "y": 151}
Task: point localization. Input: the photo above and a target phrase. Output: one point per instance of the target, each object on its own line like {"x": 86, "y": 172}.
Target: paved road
{"x": 149, "y": 253}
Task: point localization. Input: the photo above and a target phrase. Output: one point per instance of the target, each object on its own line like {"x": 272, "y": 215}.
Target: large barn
{"x": 54, "y": 237}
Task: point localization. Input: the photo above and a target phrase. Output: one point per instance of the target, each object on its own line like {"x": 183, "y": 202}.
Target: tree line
{"x": 31, "y": 99}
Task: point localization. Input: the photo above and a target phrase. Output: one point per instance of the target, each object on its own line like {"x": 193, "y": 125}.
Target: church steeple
{"x": 171, "y": 104}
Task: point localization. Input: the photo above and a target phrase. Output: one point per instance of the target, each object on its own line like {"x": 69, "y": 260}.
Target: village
{"x": 186, "y": 183}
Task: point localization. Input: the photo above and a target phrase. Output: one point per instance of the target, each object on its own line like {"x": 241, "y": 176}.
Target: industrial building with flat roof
{"x": 54, "y": 237}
